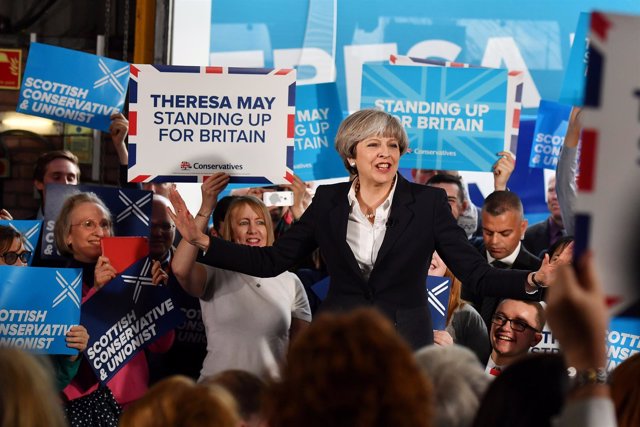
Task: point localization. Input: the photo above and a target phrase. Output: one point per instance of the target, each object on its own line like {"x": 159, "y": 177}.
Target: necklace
{"x": 370, "y": 215}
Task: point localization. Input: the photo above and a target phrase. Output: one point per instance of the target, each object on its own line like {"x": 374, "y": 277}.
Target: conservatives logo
{"x": 185, "y": 166}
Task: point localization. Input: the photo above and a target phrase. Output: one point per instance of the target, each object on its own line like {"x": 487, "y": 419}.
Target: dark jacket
{"x": 420, "y": 222}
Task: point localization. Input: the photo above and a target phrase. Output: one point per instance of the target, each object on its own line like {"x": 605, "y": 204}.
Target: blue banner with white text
{"x": 455, "y": 118}
{"x": 548, "y": 136}
{"x": 318, "y": 115}
{"x": 124, "y": 317}
{"x": 38, "y": 306}
{"x": 438, "y": 291}
{"x": 72, "y": 86}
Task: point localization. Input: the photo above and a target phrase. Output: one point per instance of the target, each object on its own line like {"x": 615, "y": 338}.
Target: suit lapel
{"x": 399, "y": 218}
{"x": 338, "y": 219}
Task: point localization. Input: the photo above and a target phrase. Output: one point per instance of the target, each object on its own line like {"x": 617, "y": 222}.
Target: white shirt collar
{"x": 385, "y": 206}
{"x": 509, "y": 260}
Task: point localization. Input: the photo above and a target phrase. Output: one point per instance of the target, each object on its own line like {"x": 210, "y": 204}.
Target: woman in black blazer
{"x": 376, "y": 233}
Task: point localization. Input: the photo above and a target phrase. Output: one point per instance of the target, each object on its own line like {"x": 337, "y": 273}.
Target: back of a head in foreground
{"x": 178, "y": 401}
{"x": 246, "y": 388}
{"x": 27, "y": 394}
{"x": 530, "y": 392}
{"x": 625, "y": 391}
{"x": 459, "y": 382}
{"x": 350, "y": 370}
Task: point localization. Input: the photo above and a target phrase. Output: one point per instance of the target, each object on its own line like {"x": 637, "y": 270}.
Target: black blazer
{"x": 486, "y": 305}
{"x": 420, "y": 221}
{"x": 536, "y": 237}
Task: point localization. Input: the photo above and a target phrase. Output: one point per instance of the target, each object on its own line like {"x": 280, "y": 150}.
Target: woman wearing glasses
{"x": 13, "y": 253}
{"x": 82, "y": 223}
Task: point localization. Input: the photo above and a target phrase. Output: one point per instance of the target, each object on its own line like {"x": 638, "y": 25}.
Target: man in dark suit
{"x": 539, "y": 237}
{"x": 503, "y": 227}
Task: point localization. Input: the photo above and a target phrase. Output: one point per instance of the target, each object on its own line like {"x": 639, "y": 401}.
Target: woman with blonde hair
{"x": 249, "y": 321}
{"x": 27, "y": 394}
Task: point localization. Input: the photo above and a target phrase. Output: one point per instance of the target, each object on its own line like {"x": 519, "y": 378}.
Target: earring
{"x": 353, "y": 164}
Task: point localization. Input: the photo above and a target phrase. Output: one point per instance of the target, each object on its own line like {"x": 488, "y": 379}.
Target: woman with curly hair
{"x": 350, "y": 370}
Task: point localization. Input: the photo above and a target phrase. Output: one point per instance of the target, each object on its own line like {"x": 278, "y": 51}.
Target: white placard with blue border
{"x": 318, "y": 115}
{"x": 30, "y": 230}
{"x": 130, "y": 211}
{"x": 73, "y": 87}
{"x": 38, "y": 306}
{"x": 548, "y": 136}
{"x": 187, "y": 123}
{"x": 456, "y": 118}
{"x": 438, "y": 291}
{"x": 124, "y": 317}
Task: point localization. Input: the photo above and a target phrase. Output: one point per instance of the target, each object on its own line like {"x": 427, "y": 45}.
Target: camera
{"x": 278, "y": 198}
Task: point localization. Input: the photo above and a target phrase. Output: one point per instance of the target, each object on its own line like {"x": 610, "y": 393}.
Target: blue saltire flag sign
{"x": 318, "y": 115}
{"x": 73, "y": 87}
{"x": 38, "y": 306}
{"x": 548, "y": 136}
{"x": 130, "y": 211}
{"x": 125, "y": 316}
{"x": 30, "y": 229}
{"x": 438, "y": 291}
{"x": 456, "y": 118}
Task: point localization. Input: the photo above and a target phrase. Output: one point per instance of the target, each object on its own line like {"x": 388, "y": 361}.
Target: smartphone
{"x": 278, "y": 198}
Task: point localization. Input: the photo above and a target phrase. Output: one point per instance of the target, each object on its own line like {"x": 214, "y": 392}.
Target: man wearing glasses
{"x": 515, "y": 327}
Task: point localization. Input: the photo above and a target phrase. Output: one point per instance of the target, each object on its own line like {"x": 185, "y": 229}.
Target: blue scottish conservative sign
{"x": 548, "y": 136}
{"x": 318, "y": 115}
{"x": 455, "y": 117}
{"x": 73, "y": 87}
{"x": 38, "y": 306}
{"x": 30, "y": 230}
{"x": 124, "y": 317}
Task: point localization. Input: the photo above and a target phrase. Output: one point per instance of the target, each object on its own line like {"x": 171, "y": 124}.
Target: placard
{"x": 572, "y": 92}
{"x": 606, "y": 221}
{"x": 38, "y": 306}
{"x": 318, "y": 116}
{"x": 30, "y": 230}
{"x": 438, "y": 291}
{"x": 456, "y": 118}
{"x": 125, "y": 316}
{"x": 73, "y": 87}
{"x": 187, "y": 123}
{"x": 130, "y": 211}
{"x": 548, "y": 136}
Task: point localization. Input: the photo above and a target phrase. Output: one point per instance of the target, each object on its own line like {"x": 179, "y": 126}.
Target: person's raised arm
{"x": 301, "y": 198}
{"x": 502, "y": 170}
{"x": 119, "y": 129}
{"x": 190, "y": 275}
{"x": 577, "y": 314}
{"x": 566, "y": 188}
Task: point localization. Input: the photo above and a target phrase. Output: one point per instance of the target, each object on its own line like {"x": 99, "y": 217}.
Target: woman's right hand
{"x": 104, "y": 273}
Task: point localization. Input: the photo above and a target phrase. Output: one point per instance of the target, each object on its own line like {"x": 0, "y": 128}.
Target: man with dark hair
{"x": 539, "y": 237}
{"x": 452, "y": 185}
{"x": 503, "y": 227}
{"x": 515, "y": 327}
{"x": 55, "y": 167}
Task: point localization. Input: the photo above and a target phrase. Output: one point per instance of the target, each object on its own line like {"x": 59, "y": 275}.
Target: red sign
{"x": 10, "y": 68}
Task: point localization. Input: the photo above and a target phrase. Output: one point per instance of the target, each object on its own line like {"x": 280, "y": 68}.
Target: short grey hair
{"x": 364, "y": 124}
{"x": 63, "y": 223}
{"x": 459, "y": 382}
